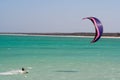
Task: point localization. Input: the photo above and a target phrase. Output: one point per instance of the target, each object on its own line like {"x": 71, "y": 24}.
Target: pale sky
{"x": 58, "y": 15}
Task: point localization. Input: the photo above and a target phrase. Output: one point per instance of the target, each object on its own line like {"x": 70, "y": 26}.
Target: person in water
{"x": 24, "y": 71}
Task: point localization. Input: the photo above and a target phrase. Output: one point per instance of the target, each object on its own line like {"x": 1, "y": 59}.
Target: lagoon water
{"x": 59, "y": 58}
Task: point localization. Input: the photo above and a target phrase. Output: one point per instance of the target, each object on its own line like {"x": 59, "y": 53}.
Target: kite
{"x": 98, "y": 28}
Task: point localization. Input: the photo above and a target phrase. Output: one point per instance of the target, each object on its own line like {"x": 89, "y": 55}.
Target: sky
{"x": 43, "y": 16}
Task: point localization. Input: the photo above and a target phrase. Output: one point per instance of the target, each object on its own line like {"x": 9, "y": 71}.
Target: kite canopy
{"x": 98, "y": 28}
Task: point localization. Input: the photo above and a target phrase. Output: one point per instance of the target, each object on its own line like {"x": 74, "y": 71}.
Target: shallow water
{"x": 60, "y": 58}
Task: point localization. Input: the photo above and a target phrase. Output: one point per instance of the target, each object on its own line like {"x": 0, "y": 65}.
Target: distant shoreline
{"x": 85, "y": 35}
{"x": 67, "y": 34}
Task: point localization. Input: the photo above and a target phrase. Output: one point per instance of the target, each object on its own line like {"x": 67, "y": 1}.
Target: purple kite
{"x": 98, "y": 28}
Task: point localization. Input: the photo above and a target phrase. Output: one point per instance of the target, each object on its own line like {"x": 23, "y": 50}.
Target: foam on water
{"x": 13, "y": 72}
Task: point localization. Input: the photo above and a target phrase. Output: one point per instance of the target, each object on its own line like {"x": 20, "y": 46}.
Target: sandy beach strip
{"x": 60, "y": 35}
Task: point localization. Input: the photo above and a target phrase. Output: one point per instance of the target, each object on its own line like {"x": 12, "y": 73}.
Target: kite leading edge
{"x": 98, "y": 28}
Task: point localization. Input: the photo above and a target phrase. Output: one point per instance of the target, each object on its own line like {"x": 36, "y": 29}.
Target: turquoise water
{"x": 59, "y": 58}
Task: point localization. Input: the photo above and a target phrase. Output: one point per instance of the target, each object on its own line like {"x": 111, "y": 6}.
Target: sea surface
{"x": 59, "y": 58}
